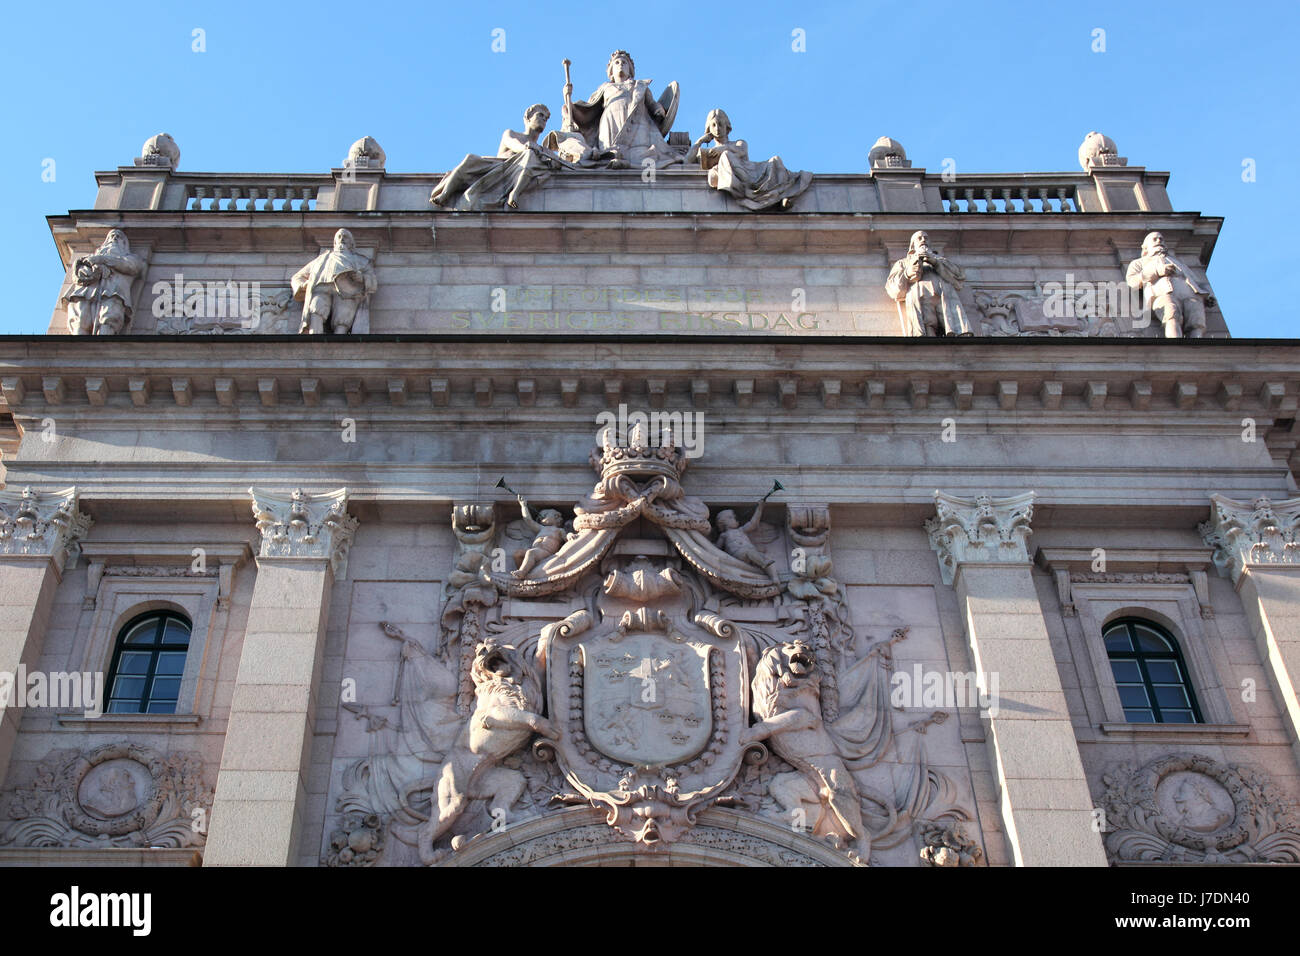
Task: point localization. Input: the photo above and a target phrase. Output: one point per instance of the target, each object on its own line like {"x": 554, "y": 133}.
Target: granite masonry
{"x": 619, "y": 499}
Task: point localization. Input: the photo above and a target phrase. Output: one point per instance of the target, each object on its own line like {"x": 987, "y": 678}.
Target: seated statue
{"x": 754, "y": 185}
{"x": 485, "y": 182}
{"x": 924, "y": 284}
{"x": 1168, "y": 290}
{"x": 620, "y": 126}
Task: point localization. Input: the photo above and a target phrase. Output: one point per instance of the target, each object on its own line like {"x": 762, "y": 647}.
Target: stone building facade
{"x": 882, "y": 544}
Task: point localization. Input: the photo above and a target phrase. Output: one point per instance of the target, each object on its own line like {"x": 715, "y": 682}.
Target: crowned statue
{"x": 621, "y": 125}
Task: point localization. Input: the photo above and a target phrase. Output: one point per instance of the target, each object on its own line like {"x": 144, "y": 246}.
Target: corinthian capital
{"x": 299, "y": 525}
{"x": 1256, "y": 533}
{"x": 37, "y": 523}
{"x": 982, "y": 530}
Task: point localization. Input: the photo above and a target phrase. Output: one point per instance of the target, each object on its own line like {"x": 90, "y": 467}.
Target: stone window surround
{"x": 1144, "y": 583}
{"x": 117, "y": 598}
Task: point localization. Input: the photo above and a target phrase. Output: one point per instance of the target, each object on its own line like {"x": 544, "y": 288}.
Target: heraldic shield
{"x": 651, "y": 701}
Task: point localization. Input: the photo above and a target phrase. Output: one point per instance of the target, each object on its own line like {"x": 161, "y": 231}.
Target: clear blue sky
{"x": 1193, "y": 88}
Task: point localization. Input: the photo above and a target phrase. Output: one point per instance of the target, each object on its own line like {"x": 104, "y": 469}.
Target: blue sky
{"x": 1194, "y": 88}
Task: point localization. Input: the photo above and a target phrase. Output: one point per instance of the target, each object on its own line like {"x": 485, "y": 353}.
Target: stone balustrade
{"x": 1013, "y": 193}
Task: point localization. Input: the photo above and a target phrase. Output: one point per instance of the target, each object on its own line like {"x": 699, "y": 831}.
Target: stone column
{"x": 1046, "y": 805}
{"x": 260, "y": 799}
{"x": 39, "y": 536}
{"x": 1257, "y": 544}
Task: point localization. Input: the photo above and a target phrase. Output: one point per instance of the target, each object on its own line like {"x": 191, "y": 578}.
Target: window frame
{"x": 1140, "y": 657}
{"x": 1175, "y": 607}
{"x": 155, "y": 650}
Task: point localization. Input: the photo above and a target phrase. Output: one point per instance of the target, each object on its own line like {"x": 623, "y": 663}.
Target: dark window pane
{"x": 145, "y": 678}
{"x": 165, "y": 687}
{"x": 1178, "y": 717}
{"x": 1149, "y": 640}
{"x": 1164, "y": 672}
{"x": 1140, "y": 716}
{"x": 170, "y": 662}
{"x": 142, "y": 633}
{"x": 1133, "y": 695}
{"x": 1171, "y": 696}
{"x": 128, "y": 687}
{"x": 133, "y": 662}
{"x": 1117, "y": 640}
{"x": 1126, "y": 672}
{"x": 176, "y": 633}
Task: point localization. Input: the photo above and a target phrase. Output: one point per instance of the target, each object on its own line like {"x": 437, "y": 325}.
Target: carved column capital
{"x": 1247, "y": 534}
{"x": 301, "y": 525}
{"x": 980, "y": 530}
{"x": 42, "y": 524}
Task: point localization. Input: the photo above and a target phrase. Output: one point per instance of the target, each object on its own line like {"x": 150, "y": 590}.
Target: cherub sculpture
{"x": 550, "y": 537}
{"x": 733, "y": 538}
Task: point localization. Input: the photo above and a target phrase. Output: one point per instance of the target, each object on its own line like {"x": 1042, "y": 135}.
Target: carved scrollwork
{"x": 1187, "y": 807}
{"x": 120, "y": 794}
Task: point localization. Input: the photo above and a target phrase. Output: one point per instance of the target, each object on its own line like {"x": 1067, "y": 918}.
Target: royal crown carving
{"x": 642, "y": 660}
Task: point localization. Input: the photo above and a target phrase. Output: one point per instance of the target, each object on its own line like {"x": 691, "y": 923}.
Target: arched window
{"x": 148, "y": 660}
{"x": 1153, "y": 683}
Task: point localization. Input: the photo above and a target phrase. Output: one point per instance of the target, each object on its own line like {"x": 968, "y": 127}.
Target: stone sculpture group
{"x": 649, "y": 699}
{"x": 623, "y": 126}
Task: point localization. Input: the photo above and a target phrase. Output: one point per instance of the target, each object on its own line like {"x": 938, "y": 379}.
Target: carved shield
{"x": 646, "y": 698}
{"x": 663, "y": 694}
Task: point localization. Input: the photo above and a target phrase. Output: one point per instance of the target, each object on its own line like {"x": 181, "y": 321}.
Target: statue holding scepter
{"x": 621, "y": 124}
{"x": 566, "y": 116}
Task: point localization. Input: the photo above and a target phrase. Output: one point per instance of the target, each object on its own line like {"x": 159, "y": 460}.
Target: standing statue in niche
{"x": 622, "y": 123}
{"x": 333, "y": 286}
{"x": 99, "y": 302}
{"x": 486, "y": 182}
{"x": 1168, "y": 290}
{"x": 754, "y": 185}
{"x": 924, "y": 284}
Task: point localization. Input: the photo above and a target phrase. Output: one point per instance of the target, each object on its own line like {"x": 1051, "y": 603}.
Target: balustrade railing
{"x": 1010, "y": 194}
{"x": 217, "y": 193}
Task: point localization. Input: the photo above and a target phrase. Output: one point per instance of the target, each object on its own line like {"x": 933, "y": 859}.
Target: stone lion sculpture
{"x": 787, "y": 701}
{"x": 507, "y": 697}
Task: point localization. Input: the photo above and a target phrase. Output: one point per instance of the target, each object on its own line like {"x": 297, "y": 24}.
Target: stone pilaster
{"x": 257, "y": 812}
{"x": 39, "y": 535}
{"x": 1257, "y": 545}
{"x": 1046, "y": 805}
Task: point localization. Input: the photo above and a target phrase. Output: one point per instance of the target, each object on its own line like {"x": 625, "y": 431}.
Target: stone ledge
{"x": 117, "y": 723}
{"x": 1174, "y": 732}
